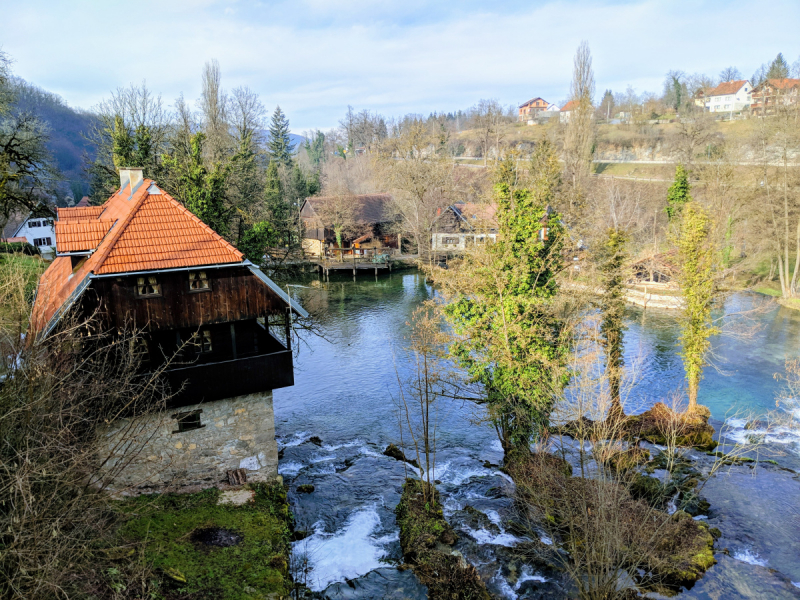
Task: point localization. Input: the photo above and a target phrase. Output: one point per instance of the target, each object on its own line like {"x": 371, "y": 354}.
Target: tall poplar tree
{"x": 279, "y": 146}
{"x": 698, "y": 288}
{"x": 613, "y": 256}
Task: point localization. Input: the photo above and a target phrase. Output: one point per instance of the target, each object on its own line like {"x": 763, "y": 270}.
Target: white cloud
{"x": 317, "y": 56}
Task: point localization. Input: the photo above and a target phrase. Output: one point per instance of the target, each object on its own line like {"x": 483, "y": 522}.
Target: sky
{"x": 316, "y": 57}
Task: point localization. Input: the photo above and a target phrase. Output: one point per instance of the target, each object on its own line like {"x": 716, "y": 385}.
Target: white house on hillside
{"x": 38, "y": 231}
{"x": 729, "y": 96}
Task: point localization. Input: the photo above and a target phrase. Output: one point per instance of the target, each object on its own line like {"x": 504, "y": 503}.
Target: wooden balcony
{"x": 228, "y": 378}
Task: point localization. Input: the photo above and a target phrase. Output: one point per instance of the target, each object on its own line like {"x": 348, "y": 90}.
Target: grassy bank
{"x": 201, "y": 548}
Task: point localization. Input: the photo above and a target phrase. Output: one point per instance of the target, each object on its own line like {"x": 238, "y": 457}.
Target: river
{"x": 345, "y": 394}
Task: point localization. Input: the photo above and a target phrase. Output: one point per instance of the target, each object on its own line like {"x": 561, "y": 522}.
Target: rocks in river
{"x": 426, "y": 537}
{"x": 305, "y": 488}
{"x": 315, "y": 439}
{"x": 394, "y": 452}
{"x": 380, "y": 583}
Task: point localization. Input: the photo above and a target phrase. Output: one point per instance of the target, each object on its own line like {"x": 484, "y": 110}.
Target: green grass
{"x": 257, "y": 567}
{"x": 768, "y": 291}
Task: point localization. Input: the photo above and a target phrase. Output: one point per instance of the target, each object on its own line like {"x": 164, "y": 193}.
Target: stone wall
{"x": 149, "y": 453}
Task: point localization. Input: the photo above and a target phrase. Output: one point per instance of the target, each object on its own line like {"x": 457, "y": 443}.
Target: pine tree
{"x": 315, "y": 148}
{"x": 779, "y": 68}
{"x": 202, "y": 191}
{"x": 279, "y": 146}
{"x": 276, "y": 203}
{"x": 678, "y": 193}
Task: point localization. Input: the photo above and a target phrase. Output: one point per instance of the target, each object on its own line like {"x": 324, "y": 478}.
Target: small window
{"x": 188, "y": 421}
{"x": 450, "y": 241}
{"x": 198, "y": 281}
{"x": 205, "y": 341}
{"x": 33, "y": 223}
{"x": 147, "y": 287}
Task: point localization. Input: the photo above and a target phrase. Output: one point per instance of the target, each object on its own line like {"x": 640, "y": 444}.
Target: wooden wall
{"x": 236, "y": 294}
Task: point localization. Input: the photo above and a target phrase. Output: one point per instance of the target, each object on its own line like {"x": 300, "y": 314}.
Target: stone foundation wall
{"x": 149, "y": 453}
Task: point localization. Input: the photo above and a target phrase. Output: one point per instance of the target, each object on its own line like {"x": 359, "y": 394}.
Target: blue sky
{"x": 314, "y": 57}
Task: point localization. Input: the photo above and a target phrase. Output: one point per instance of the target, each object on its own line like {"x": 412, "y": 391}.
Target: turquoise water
{"x": 346, "y": 394}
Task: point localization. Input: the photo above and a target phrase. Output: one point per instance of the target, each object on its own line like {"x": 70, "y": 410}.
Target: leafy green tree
{"x": 501, "y": 300}
{"x": 279, "y": 146}
{"x": 255, "y": 241}
{"x": 276, "y": 204}
{"x": 202, "y": 191}
{"x": 778, "y": 68}
{"x": 678, "y": 194}
{"x": 613, "y": 257}
{"x": 699, "y": 292}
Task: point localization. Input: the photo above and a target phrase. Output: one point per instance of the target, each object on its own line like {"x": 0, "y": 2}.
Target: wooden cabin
{"x": 142, "y": 260}
{"x": 368, "y": 219}
{"x": 461, "y": 225}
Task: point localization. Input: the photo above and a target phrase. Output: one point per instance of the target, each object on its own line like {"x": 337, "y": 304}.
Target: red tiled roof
{"x": 15, "y": 240}
{"x": 150, "y": 232}
{"x": 726, "y": 88}
{"x": 778, "y": 84}
{"x": 162, "y": 234}
{"x": 80, "y": 236}
{"x": 571, "y": 105}
{"x": 77, "y": 213}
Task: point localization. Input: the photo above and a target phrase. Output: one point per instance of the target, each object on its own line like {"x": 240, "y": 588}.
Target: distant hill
{"x": 66, "y": 128}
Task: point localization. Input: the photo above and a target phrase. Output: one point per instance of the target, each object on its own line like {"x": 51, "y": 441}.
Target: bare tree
{"x": 247, "y": 115}
{"x": 421, "y": 181}
{"x": 214, "y": 111}
{"x": 579, "y": 137}
{"x": 486, "y": 117}
{"x": 730, "y": 74}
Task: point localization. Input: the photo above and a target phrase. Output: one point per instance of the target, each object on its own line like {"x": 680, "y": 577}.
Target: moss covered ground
{"x": 425, "y": 537}
{"x": 167, "y": 530}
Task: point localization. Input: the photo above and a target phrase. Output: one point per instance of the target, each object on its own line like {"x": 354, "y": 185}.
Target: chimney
{"x": 132, "y": 175}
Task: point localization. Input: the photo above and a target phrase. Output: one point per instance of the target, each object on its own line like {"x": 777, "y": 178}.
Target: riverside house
{"x": 142, "y": 260}
{"x": 368, "y": 222}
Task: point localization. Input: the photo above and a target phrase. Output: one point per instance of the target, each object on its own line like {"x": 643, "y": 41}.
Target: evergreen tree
{"x": 279, "y": 146}
{"x": 779, "y": 68}
{"x": 315, "y": 148}
{"x": 696, "y": 277}
{"x": 276, "y": 203}
{"x": 613, "y": 256}
{"x": 678, "y": 194}
{"x": 202, "y": 191}
{"x": 255, "y": 240}
{"x": 501, "y": 306}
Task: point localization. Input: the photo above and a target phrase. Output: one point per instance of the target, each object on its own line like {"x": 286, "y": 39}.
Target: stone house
{"x": 142, "y": 260}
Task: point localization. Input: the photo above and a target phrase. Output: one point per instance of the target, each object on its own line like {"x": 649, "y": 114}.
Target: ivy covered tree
{"x": 698, "y": 289}
{"x": 315, "y": 148}
{"x": 500, "y": 302}
{"x": 255, "y": 240}
{"x": 279, "y": 146}
{"x": 202, "y": 191}
{"x": 678, "y": 194}
{"x": 613, "y": 257}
